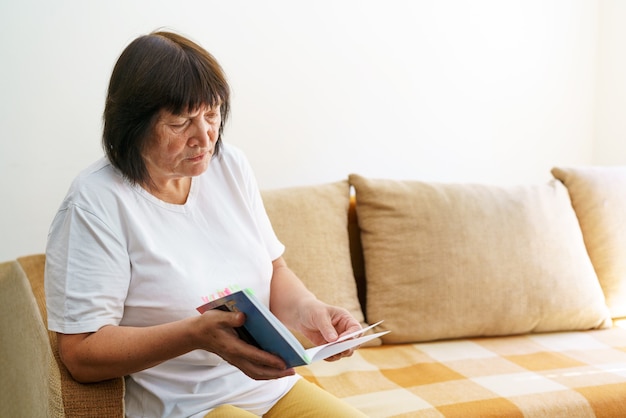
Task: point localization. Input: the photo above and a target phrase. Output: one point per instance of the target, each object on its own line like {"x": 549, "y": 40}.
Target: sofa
{"x": 501, "y": 301}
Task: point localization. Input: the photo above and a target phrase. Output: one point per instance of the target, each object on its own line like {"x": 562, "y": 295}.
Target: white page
{"x": 342, "y": 344}
{"x": 328, "y": 350}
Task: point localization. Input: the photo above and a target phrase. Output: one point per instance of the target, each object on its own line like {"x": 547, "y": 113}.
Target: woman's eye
{"x": 179, "y": 124}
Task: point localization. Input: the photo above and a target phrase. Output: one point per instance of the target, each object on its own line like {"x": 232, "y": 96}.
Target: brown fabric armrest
{"x": 104, "y": 399}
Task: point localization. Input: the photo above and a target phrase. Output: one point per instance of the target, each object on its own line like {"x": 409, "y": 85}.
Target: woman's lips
{"x": 198, "y": 157}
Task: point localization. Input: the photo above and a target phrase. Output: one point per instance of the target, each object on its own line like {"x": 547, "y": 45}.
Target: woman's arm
{"x": 299, "y": 309}
{"x": 115, "y": 351}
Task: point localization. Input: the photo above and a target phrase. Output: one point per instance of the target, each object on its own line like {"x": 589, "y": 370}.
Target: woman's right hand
{"x": 216, "y": 333}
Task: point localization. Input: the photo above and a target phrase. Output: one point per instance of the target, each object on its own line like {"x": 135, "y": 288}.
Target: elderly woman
{"x": 173, "y": 214}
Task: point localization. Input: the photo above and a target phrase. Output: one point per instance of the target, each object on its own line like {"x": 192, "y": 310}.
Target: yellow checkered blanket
{"x": 567, "y": 374}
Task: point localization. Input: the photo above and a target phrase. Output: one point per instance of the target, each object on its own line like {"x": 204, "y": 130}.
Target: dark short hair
{"x": 158, "y": 71}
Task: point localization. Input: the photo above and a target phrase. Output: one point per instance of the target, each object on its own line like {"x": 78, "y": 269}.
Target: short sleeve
{"x": 87, "y": 272}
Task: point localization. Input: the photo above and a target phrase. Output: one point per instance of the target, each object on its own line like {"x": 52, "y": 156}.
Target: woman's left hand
{"x": 322, "y": 323}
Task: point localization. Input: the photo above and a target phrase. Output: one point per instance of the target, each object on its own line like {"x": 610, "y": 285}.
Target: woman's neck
{"x": 172, "y": 191}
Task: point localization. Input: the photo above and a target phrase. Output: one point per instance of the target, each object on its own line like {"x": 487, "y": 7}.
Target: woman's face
{"x": 182, "y": 145}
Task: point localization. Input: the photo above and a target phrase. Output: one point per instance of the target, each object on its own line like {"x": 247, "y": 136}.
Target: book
{"x": 263, "y": 330}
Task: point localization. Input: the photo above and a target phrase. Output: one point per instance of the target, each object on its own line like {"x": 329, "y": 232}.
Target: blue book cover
{"x": 263, "y": 330}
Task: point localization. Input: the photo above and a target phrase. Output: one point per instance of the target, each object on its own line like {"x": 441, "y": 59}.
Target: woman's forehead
{"x": 190, "y": 111}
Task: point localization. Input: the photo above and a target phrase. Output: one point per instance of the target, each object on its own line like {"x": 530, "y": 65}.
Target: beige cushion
{"x": 450, "y": 260}
{"x": 598, "y": 196}
{"x": 312, "y": 223}
{"x": 29, "y": 381}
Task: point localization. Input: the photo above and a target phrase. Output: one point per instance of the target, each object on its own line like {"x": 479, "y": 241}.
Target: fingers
{"x": 232, "y": 319}
{"x": 328, "y": 332}
{"x": 255, "y": 363}
{"x": 347, "y": 325}
{"x": 339, "y": 323}
{"x": 221, "y": 338}
{"x": 260, "y": 371}
{"x": 341, "y": 355}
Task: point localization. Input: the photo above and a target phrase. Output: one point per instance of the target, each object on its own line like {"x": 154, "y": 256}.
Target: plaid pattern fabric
{"x": 567, "y": 374}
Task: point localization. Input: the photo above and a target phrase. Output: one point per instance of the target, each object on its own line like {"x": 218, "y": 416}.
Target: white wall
{"x": 610, "y": 132}
{"x": 482, "y": 91}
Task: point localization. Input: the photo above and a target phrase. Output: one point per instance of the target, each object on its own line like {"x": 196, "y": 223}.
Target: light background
{"x": 493, "y": 91}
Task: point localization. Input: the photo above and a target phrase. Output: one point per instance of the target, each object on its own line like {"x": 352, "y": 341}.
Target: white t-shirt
{"x": 117, "y": 255}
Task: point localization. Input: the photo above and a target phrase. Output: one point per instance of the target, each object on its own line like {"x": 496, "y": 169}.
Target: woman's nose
{"x": 201, "y": 132}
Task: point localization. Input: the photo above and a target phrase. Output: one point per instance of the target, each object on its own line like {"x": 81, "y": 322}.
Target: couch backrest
{"x": 30, "y": 380}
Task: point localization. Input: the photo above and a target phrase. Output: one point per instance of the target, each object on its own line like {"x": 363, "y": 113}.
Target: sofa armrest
{"x": 79, "y": 400}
